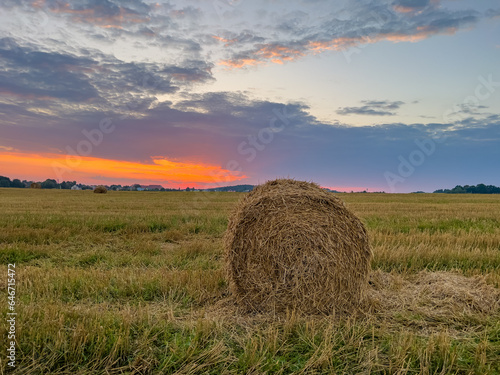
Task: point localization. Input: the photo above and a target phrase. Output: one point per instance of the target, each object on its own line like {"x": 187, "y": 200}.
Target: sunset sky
{"x": 399, "y": 95}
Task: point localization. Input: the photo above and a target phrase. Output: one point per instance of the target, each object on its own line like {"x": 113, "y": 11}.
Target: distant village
{"x": 73, "y": 185}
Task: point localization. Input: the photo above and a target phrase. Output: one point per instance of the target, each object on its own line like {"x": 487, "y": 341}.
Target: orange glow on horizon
{"x": 91, "y": 170}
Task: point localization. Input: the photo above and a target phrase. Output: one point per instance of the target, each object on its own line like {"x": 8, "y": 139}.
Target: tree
{"x": 471, "y": 189}
{"x": 4, "y": 181}
{"x": 50, "y": 184}
{"x": 458, "y": 190}
{"x": 16, "y": 183}
{"x": 481, "y": 189}
{"x": 67, "y": 184}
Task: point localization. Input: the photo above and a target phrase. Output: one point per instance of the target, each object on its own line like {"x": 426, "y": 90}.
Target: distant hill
{"x": 332, "y": 191}
{"x": 468, "y": 189}
{"x": 237, "y": 188}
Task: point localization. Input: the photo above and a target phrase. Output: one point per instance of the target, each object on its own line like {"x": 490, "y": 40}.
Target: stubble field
{"x": 134, "y": 283}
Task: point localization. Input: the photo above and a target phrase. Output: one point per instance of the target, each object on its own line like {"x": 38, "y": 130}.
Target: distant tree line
{"x": 47, "y": 184}
{"x": 471, "y": 189}
{"x": 6, "y": 182}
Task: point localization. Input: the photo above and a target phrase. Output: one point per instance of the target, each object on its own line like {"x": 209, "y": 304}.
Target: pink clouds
{"x": 279, "y": 53}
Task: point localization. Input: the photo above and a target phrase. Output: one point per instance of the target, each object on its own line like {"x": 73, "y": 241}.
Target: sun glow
{"x": 169, "y": 173}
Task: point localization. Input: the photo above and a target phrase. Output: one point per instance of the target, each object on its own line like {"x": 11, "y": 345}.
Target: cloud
{"x": 102, "y": 13}
{"x": 7, "y": 148}
{"x": 243, "y": 37}
{"x": 190, "y": 71}
{"x": 136, "y": 23}
{"x": 89, "y": 78}
{"x": 275, "y": 52}
{"x": 365, "y": 23}
{"x": 408, "y": 6}
{"x": 470, "y": 109}
{"x": 235, "y": 114}
{"x": 191, "y": 31}
{"x": 373, "y": 108}
{"x": 32, "y": 74}
{"x": 492, "y": 13}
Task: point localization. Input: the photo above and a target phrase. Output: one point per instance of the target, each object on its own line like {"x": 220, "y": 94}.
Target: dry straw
{"x": 35, "y": 185}
{"x": 436, "y": 297}
{"x": 100, "y": 189}
{"x": 291, "y": 245}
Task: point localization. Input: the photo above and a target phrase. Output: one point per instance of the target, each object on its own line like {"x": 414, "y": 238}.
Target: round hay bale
{"x": 35, "y": 185}
{"x": 100, "y": 189}
{"x": 291, "y": 245}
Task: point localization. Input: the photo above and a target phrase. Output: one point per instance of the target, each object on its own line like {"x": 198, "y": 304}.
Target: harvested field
{"x": 136, "y": 284}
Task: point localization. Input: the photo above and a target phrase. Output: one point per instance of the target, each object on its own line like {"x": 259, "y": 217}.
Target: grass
{"x": 133, "y": 283}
